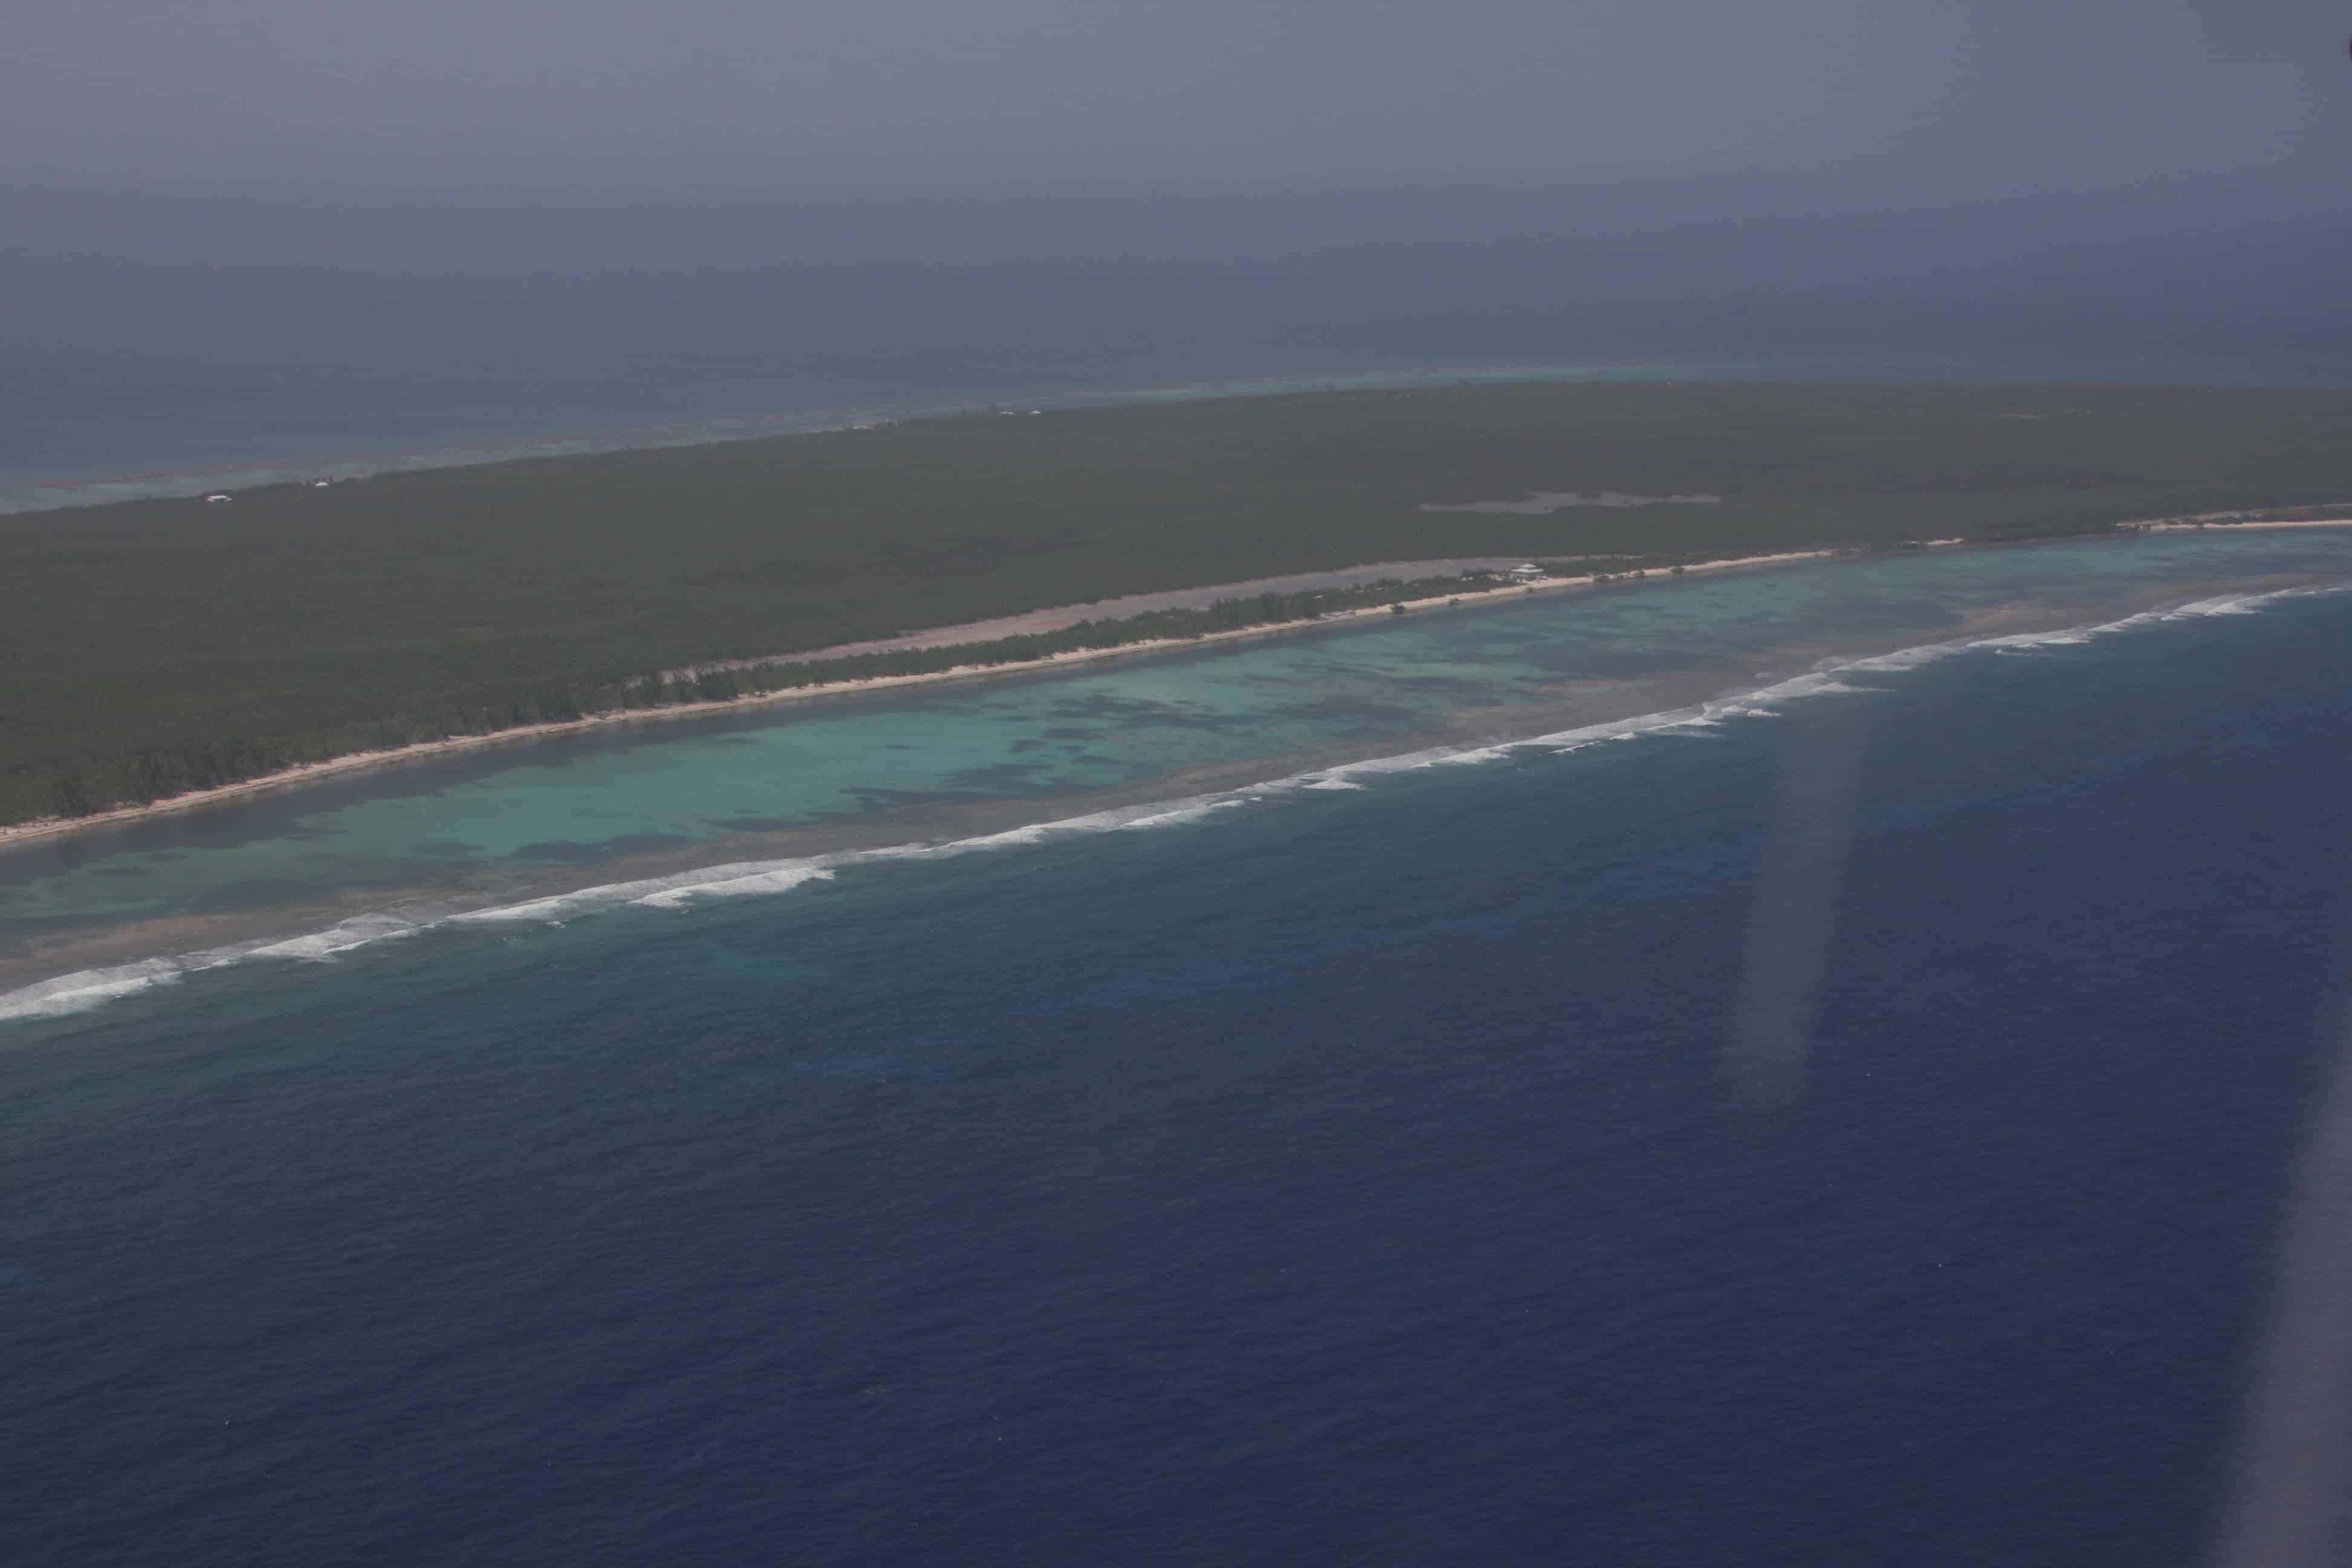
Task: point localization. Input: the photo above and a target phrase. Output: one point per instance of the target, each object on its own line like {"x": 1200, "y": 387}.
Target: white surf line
{"x": 87, "y": 989}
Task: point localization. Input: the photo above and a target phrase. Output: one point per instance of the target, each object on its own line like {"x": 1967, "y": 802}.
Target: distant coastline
{"x": 629, "y": 433}
{"x": 358, "y": 761}
{"x": 587, "y": 433}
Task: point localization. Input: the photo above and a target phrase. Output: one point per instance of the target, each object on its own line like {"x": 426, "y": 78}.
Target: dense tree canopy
{"x": 155, "y": 646}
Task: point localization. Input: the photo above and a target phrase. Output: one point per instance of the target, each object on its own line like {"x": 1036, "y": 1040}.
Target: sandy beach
{"x": 945, "y": 636}
{"x": 1579, "y": 702}
{"x": 48, "y": 954}
{"x": 982, "y": 631}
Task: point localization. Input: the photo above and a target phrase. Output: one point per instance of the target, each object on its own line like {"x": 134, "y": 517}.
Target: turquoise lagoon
{"x": 768, "y": 798}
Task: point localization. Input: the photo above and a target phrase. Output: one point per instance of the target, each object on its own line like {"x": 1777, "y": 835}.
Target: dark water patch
{"x": 253, "y": 894}
{"x": 1140, "y": 710}
{"x": 874, "y": 799}
{"x": 1350, "y": 712}
{"x": 1448, "y": 686}
{"x": 997, "y": 776}
{"x": 583, "y": 853}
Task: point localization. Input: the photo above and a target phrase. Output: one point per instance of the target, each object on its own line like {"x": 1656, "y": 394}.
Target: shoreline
{"x": 357, "y": 762}
{"x": 49, "y": 828}
{"x": 159, "y": 947}
{"x": 642, "y": 430}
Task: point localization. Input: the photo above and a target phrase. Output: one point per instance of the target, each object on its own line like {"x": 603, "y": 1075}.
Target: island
{"x": 161, "y": 652}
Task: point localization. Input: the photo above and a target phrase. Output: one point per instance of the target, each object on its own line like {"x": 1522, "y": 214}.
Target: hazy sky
{"x": 220, "y": 207}
{"x": 1890, "y": 94}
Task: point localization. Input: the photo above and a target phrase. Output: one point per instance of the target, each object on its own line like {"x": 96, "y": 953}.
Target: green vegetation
{"x": 151, "y": 646}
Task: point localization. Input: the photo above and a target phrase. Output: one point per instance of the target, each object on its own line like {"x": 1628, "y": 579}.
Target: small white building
{"x": 217, "y": 498}
{"x": 1527, "y": 571}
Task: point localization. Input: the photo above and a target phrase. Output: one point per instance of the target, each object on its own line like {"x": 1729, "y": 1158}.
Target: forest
{"x": 153, "y": 647}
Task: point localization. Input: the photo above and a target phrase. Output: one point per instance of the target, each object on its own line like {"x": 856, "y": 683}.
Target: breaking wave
{"x": 89, "y": 988}
{"x": 77, "y": 992}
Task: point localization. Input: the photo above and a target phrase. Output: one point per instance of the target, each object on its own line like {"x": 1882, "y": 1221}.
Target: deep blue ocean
{"x": 1365, "y": 1174}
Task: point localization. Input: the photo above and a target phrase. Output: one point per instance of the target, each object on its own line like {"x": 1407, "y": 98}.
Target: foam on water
{"x": 781, "y": 879}
{"x": 745, "y": 877}
{"x": 87, "y": 989}
{"x": 357, "y": 931}
{"x": 2246, "y": 604}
